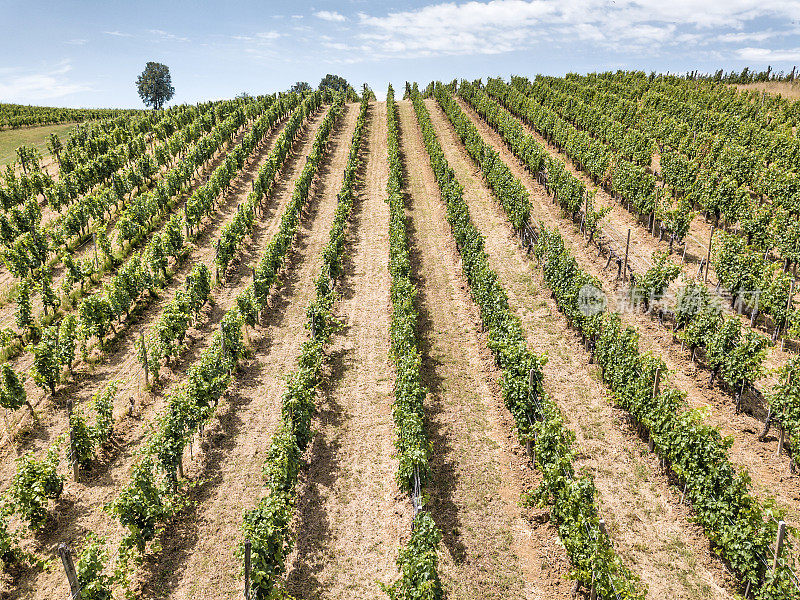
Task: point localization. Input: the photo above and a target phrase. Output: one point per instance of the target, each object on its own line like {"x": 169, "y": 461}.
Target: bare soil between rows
{"x": 770, "y": 473}
{"x": 81, "y": 507}
{"x": 646, "y": 522}
{"x": 493, "y": 547}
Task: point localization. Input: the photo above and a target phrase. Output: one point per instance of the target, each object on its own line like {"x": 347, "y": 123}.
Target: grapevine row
{"x": 713, "y": 180}
{"x": 146, "y": 271}
{"x": 538, "y": 419}
{"x": 14, "y": 116}
{"x": 160, "y": 341}
{"x": 29, "y": 251}
{"x": 81, "y": 166}
{"x": 267, "y": 525}
{"x": 619, "y": 175}
{"x": 20, "y": 222}
{"x": 741, "y": 262}
{"x": 739, "y": 526}
{"x": 733, "y": 352}
{"x": 47, "y": 367}
{"x": 418, "y": 560}
{"x": 152, "y": 496}
{"x": 736, "y": 522}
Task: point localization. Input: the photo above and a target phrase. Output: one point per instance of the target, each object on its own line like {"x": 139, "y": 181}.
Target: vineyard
{"x": 526, "y": 338}
{"x": 13, "y": 116}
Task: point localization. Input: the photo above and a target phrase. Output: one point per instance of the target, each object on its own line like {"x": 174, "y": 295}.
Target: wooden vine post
{"x": 656, "y": 382}
{"x": 754, "y": 309}
{"x": 144, "y": 355}
{"x": 708, "y": 255}
{"x": 788, "y": 309}
{"x": 782, "y": 436}
{"x": 653, "y": 214}
{"x": 625, "y": 265}
{"x": 72, "y": 450}
{"x": 586, "y": 213}
{"x": 779, "y": 543}
{"x": 531, "y": 384}
{"x": 69, "y": 568}
{"x": 247, "y": 549}
{"x": 781, "y": 439}
{"x": 603, "y": 530}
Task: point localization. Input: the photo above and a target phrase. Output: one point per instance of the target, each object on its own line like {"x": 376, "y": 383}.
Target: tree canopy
{"x": 335, "y": 83}
{"x": 300, "y": 86}
{"x": 155, "y": 85}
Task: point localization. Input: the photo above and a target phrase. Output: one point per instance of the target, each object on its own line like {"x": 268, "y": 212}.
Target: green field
{"x": 12, "y": 139}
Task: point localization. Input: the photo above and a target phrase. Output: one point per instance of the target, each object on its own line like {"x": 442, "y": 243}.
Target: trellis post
{"x": 72, "y": 451}
{"x": 788, "y": 309}
{"x": 144, "y": 355}
{"x": 627, "y": 246}
{"x": 247, "y": 549}
{"x": 656, "y": 382}
{"x": 708, "y": 254}
{"x": 779, "y": 543}
{"x": 69, "y": 568}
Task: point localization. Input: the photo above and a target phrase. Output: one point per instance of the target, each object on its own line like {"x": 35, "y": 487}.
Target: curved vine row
{"x": 537, "y": 417}
{"x": 267, "y": 526}
{"x": 736, "y": 522}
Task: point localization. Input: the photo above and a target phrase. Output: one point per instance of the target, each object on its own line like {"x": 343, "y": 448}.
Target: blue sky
{"x": 89, "y": 53}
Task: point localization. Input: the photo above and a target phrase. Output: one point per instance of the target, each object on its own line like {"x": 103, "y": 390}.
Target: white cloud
{"x": 77, "y": 42}
{"x": 330, "y": 15}
{"x": 118, "y": 33}
{"x": 165, "y": 35}
{"x": 765, "y": 55}
{"x": 262, "y": 38}
{"x": 497, "y": 26}
{"x": 749, "y": 36}
{"x": 32, "y": 87}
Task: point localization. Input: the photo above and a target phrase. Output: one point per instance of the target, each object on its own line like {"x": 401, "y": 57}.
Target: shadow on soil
{"x": 162, "y": 574}
{"x": 324, "y": 469}
{"x": 444, "y": 474}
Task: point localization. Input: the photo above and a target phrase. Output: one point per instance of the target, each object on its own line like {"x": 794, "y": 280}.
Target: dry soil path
{"x": 645, "y": 519}
{"x": 490, "y": 548}
{"x": 199, "y": 562}
{"x": 770, "y": 473}
{"x": 81, "y": 507}
{"x": 351, "y": 512}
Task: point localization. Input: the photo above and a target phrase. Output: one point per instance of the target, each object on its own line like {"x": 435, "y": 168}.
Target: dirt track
{"x": 200, "y": 561}
{"x": 770, "y": 473}
{"x": 646, "y": 522}
{"x": 490, "y": 548}
{"x": 80, "y": 509}
{"x": 351, "y": 518}
{"x": 351, "y": 513}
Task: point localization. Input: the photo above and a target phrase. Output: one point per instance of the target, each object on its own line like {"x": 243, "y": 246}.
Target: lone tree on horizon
{"x": 338, "y": 84}
{"x": 334, "y": 82}
{"x": 155, "y": 85}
